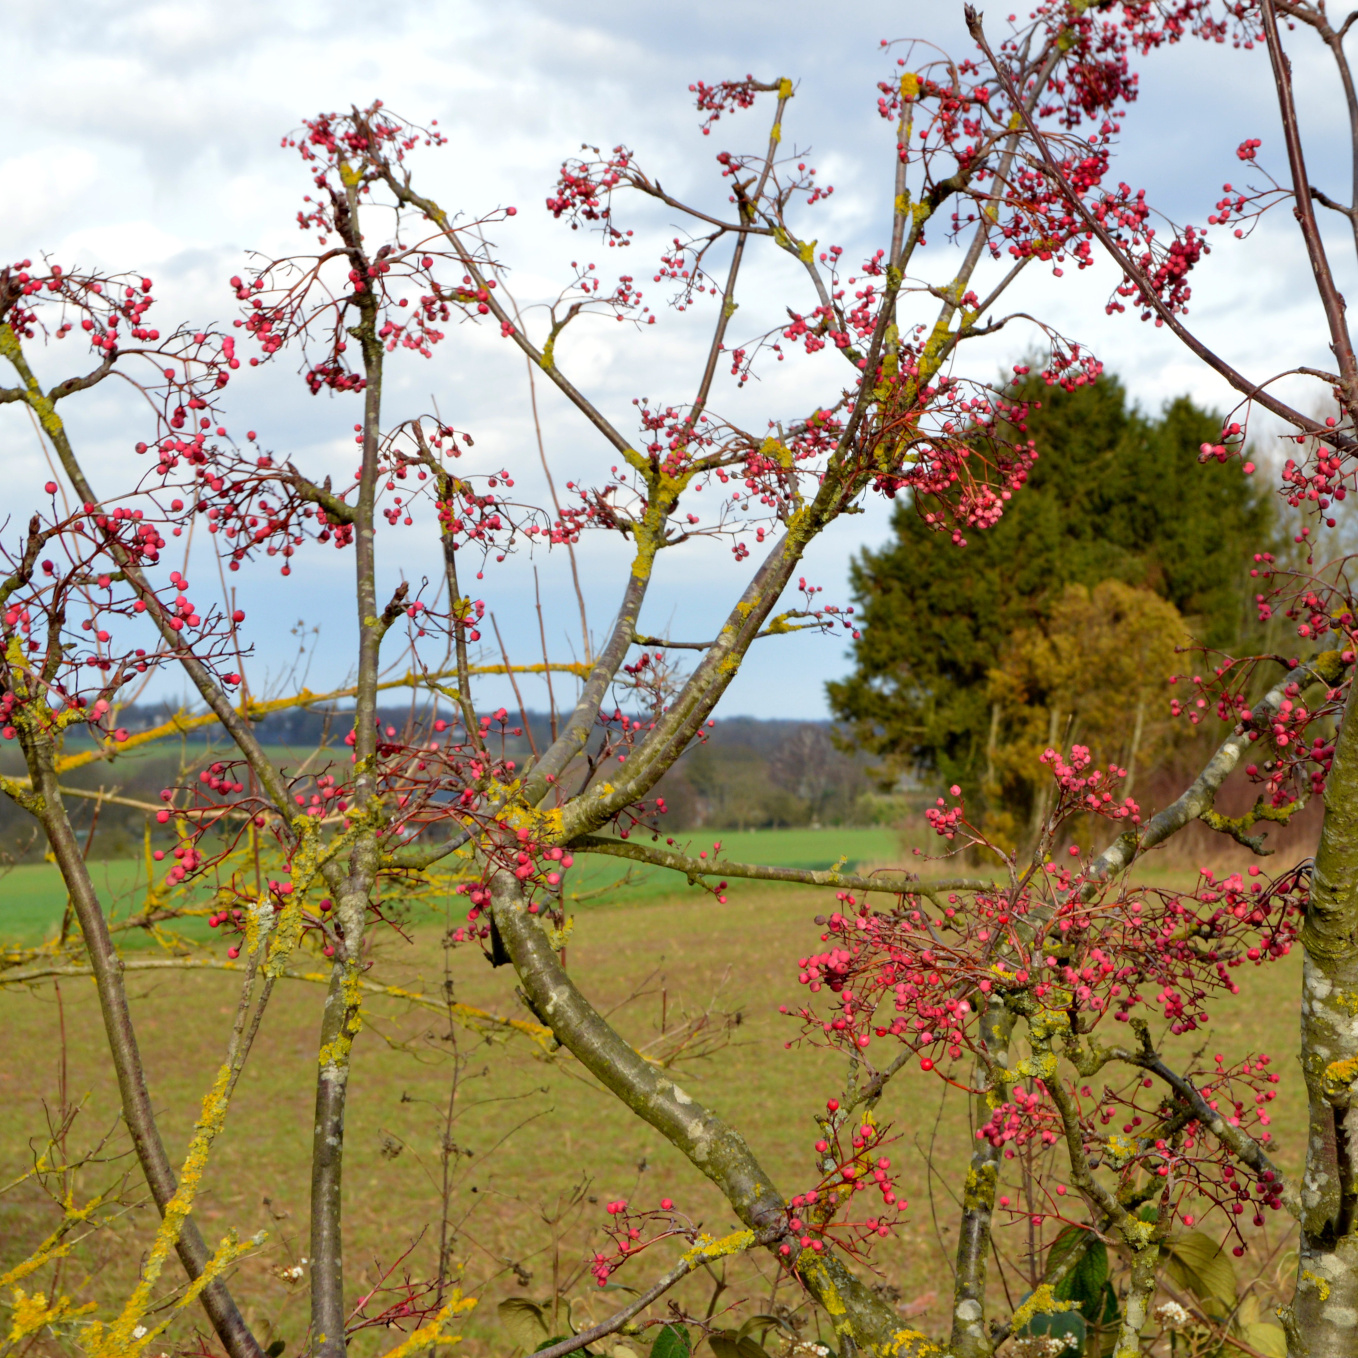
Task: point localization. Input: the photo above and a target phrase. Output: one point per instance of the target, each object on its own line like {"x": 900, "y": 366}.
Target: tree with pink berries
{"x": 1113, "y": 1158}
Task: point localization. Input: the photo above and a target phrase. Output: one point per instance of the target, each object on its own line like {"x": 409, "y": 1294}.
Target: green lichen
{"x": 980, "y": 1187}
{"x": 1119, "y": 1150}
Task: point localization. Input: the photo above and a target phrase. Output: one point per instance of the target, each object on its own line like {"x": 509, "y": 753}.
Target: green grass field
{"x": 540, "y": 1147}
{"x": 33, "y": 899}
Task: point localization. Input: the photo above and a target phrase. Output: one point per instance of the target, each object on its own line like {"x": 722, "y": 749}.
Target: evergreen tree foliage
{"x": 1114, "y": 496}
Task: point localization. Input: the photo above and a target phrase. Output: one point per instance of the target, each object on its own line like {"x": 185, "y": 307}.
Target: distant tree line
{"x": 745, "y": 774}
{"x": 752, "y": 774}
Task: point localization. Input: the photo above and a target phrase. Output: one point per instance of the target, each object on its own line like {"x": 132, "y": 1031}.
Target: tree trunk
{"x": 1325, "y": 1307}
{"x": 970, "y": 1336}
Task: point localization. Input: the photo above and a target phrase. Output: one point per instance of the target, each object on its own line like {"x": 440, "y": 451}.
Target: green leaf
{"x": 1086, "y": 1282}
{"x": 1068, "y": 1325}
{"x": 526, "y": 1321}
{"x": 559, "y": 1338}
{"x": 1195, "y": 1261}
{"x": 1258, "y": 1333}
{"x": 1267, "y": 1338}
{"x": 276, "y": 1348}
{"x": 729, "y": 1344}
{"x": 671, "y": 1342}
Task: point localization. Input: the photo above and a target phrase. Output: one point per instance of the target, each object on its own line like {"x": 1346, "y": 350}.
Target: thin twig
{"x": 518, "y": 697}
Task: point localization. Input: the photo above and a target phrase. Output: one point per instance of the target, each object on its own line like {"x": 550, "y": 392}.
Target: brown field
{"x": 537, "y": 1132}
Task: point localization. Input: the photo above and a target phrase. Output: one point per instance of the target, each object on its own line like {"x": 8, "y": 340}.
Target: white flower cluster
{"x": 1171, "y": 1315}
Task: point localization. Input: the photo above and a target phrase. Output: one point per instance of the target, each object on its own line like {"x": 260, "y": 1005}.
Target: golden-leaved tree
{"x": 1102, "y": 659}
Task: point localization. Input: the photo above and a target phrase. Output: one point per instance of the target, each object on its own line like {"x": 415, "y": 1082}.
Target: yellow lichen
{"x": 559, "y": 937}
{"x": 709, "y": 1247}
{"x": 920, "y": 1345}
{"x": 1120, "y": 1150}
{"x": 119, "y": 1340}
{"x": 431, "y": 1334}
{"x": 813, "y": 1268}
{"x": 53, "y": 1247}
{"x": 1043, "y": 1302}
{"x": 1039, "y": 1066}
{"x": 128, "y": 1338}
{"x": 29, "y": 1314}
{"x": 980, "y": 1187}
{"x": 1321, "y": 1286}
{"x": 1339, "y": 1075}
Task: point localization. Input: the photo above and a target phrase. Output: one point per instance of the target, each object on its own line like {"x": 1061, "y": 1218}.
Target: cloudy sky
{"x": 146, "y": 136}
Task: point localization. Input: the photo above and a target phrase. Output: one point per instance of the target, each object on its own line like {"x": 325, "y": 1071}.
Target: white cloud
{"x": 153, "y": 145}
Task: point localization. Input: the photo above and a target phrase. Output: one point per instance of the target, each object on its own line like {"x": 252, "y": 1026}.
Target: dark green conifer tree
{"x": 1114, "y": 495}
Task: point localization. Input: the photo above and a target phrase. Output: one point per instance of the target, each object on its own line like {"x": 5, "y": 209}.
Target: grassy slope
{"x": 535, "y": 1128}
{"x": 32, "y": 897}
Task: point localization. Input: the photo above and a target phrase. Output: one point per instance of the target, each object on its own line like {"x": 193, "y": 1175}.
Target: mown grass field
{"x": 533, "y": 1134}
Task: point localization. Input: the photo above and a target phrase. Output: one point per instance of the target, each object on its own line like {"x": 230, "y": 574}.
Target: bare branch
{"x": 1252, "y": 390}
{"x": 898, "y": 883}
{"x": 1325, "y": 200}
{"x": 336, "y": 510}
{"x": 694, "y": 1259}
{"x": 478, "y": 1020}
{"x": 1340, "y": 340}
{"x": 704, "y": 1138}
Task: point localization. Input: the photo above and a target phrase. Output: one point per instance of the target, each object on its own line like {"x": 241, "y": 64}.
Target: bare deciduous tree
{"x": 1002, "y": 983}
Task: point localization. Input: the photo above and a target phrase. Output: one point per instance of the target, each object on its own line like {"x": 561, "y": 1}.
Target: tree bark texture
{"x": 1325, "y": 1308}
